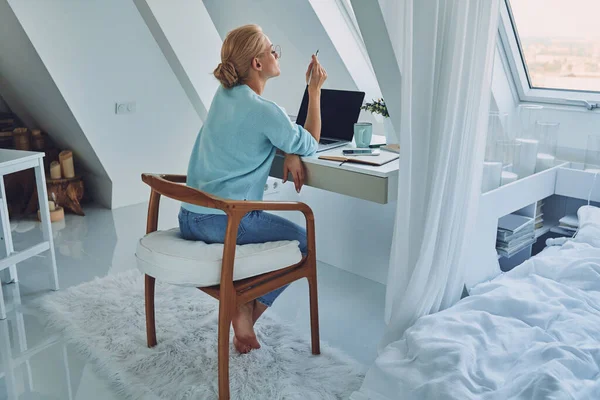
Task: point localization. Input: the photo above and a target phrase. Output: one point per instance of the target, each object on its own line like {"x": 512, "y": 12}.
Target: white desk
{"x": 377, "y": 184}
{"x": 13, "y": 161}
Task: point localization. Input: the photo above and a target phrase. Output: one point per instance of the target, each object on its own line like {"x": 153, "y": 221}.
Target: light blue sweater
{"x": 235, "y": 147}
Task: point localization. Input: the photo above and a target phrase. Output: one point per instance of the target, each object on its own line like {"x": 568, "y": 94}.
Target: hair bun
{"x": 226, "y": 74}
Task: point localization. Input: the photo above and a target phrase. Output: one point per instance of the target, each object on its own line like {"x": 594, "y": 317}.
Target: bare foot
{"x": 242, "y": 348}
{"x": 243, "y": 326}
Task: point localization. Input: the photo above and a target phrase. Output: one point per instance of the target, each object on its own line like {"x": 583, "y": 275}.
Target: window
{"x": 555, "y": 46}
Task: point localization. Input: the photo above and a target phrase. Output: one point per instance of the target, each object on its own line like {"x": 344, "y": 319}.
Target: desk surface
{"x": 383, "y": 171}
{"x": 373, "y": 183}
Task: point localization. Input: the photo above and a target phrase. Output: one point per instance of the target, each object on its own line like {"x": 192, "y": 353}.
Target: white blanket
{"x": 532, "y": 333}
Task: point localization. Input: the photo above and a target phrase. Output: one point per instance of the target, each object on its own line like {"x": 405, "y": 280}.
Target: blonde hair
{"x": 240, "y": 46}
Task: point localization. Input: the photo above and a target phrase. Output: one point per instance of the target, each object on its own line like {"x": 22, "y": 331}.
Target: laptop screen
{"x": 339, "y": 112}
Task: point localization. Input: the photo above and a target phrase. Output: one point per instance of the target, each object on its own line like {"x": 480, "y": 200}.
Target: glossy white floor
{"x": 38, "y": 364}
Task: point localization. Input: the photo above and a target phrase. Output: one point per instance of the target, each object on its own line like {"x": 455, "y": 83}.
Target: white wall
{"x": 504, "y": 98}
{"x": 31, "y": 93}
{"x": 351, "y": 234}
{"x": 99, "y": 52}
{"x": 294, "y": 25}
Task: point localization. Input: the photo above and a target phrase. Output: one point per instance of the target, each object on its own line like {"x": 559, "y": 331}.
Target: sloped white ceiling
{"x": 30, "y": 91}
{"x": 190, "y": 43}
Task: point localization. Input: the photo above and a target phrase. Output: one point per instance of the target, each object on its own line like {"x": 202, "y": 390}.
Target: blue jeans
{"x": 255, "y": 227}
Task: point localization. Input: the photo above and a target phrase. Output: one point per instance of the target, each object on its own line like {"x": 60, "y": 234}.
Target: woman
{"x": 234, "y": 150}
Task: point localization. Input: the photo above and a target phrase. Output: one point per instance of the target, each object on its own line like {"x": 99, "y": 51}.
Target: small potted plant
{"x": 378, "y": 107}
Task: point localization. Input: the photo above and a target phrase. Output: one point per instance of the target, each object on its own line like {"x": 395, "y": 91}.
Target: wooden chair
{"x": 232, "y": 293}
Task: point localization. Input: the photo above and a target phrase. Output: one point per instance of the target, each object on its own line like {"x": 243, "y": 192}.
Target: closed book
{"x": 514, "y": 223}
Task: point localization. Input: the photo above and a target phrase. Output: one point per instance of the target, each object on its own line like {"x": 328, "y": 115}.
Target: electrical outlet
{"x": 125, "y": 107}
{"x": 272, "y": 186}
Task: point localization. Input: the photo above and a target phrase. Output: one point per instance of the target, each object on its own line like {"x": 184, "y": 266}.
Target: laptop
{"x": 339, "y": 113}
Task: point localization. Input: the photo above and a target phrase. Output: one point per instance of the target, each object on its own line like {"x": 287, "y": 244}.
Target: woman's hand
{"x": 318, "y": 77}
{"x": 294, "y": 164}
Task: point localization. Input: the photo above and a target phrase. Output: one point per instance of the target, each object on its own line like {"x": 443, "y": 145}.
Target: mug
{"x": 363, "y": 131}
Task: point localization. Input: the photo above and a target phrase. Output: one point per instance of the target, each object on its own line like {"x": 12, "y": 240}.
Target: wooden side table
{"x": 68, "y": 191}
{"x": 13, "y": 161}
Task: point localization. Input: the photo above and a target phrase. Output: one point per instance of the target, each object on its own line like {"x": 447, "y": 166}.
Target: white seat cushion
{"x": 166, "y": 256}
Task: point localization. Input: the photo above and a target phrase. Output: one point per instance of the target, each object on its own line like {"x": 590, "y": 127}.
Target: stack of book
{"x": 515, "y": 232}
{"x": 569, "y": 223}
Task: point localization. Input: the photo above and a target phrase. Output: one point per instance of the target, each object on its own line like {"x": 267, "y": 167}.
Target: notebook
{"x": 336, "y": 155}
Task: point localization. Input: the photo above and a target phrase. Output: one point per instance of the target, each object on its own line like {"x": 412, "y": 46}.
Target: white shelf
{"x": 577, "y": 183}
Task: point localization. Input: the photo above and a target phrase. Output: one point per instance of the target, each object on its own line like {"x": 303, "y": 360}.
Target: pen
{"x": 310, "y": 76}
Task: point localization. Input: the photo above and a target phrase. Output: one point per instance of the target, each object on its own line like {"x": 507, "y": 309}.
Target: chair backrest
{"x": 172, "y": 186}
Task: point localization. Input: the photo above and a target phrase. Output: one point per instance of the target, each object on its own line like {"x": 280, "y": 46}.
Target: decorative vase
{"x": 390, "y": 133}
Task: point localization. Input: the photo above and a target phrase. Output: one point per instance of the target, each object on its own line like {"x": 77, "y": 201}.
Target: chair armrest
{"x": 175, "y": 178}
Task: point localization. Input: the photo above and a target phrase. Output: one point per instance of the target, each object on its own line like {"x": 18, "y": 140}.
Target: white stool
{"x": 12, "y": 161}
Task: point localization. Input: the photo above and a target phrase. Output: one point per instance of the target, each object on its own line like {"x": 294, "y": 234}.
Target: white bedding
{"x": 531, "y": 333}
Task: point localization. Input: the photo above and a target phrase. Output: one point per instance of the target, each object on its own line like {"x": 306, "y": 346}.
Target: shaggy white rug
{"x": 105, "y": 319}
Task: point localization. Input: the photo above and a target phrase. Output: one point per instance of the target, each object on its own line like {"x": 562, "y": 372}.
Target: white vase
{"x": 390, "y": 133}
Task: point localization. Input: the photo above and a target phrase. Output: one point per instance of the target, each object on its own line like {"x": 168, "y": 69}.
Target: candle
{"x": 492, "y": 172}
{"x": 51, "y": 205}
{"x": 544, "y": 162}
{"x": 55, "y": 170}
{"x": 525, "y": 165}
{"x": 508, "y": 177}
{"x": 66, "y": 163}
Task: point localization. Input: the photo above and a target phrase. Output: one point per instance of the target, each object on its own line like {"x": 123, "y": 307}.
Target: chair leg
{"x": 314, "y": 313}
{"x": 150, "y": 324}
{"x": 226, "y": 310}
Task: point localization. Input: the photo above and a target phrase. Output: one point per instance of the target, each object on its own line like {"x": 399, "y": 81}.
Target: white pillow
{"x": 589, "y": 226}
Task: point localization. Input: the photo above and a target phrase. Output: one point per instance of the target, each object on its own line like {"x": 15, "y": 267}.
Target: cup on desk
{"x": 363, "y": 132}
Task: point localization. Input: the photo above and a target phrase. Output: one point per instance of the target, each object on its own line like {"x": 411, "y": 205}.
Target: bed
{"x": 530, "y": 333}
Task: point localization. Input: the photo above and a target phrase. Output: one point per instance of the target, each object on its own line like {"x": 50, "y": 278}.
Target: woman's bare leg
{"x": 259, "y": 309}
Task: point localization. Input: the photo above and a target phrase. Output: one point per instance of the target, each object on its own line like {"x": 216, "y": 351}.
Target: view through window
{"x": 560, "y": 42}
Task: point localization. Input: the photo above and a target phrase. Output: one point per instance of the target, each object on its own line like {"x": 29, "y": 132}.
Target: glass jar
{"x": 547, "y": 135}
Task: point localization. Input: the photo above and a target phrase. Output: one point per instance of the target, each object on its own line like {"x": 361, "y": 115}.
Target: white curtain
{"x": 445, "y": 52}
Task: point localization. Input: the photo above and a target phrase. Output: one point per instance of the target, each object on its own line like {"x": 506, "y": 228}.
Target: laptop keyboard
{"x": 327, "y": 141}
